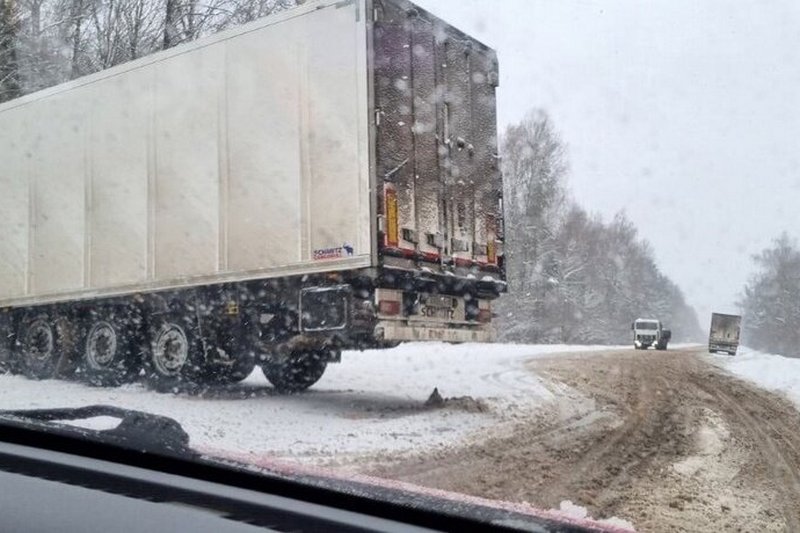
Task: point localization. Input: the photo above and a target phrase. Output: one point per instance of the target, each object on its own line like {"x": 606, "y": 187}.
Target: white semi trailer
{"x": 323, "y": 178}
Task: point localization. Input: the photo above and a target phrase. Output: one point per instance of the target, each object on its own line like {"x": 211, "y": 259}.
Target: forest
{"x": 771, "y": 300}
{"x": 573, "y": 277}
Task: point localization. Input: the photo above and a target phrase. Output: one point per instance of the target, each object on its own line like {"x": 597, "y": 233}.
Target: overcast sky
{"x": 684, "y": 113}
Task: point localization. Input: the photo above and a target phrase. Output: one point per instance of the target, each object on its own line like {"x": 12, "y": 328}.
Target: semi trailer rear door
{"x": 436, "y": 144}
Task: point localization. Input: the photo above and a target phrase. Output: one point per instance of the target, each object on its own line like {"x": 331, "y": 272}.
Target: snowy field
{"x": 769, "y": 371}
{"x": 371, "y": 403}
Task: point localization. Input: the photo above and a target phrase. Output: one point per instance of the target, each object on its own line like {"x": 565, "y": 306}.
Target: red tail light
{"x": 389, "y": 307}
{"x": 485, "y": 316}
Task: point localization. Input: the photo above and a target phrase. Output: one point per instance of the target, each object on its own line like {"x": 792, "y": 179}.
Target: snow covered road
{"x": 373, "y": 403}
{"x": 666, "y": 440}
{"x": 661, "y": 439}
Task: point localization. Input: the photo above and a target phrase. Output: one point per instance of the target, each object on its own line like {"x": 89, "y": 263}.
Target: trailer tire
{"x": 37, "y": 352}
{"x": 171, "y": 354}
{"x": 108, "y": 355}
{"x": 297, "y": 372}
{"x": 228, "y": 375}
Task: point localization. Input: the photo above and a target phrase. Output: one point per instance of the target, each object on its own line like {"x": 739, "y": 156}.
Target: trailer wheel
{"x": 169, "y": 363}
{"x": 230, "y": 371}
{"x": 234, "y": 361}
{"x": 108, "y": 355}
{"x": 228, "y": 375}
{"x": 37, "y": 347}
{"x": 296, "y": 373}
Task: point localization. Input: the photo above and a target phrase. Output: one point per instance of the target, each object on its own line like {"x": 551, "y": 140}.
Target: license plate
{"x": 439, "y": 307}
{"x": 437, "y": 312}
{"x": 438, "y": 301}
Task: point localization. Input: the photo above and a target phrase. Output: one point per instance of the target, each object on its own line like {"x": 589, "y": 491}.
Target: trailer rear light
{"x": 389, "y": 301}
{"x": 392, "y": 225}
{"x": 485, "y": 316}
{"x": 491, "y": 252}
{"x": 389, "y": 307}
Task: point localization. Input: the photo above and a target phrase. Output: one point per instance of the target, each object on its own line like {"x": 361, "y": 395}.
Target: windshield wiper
{"x": 137, "y": 430}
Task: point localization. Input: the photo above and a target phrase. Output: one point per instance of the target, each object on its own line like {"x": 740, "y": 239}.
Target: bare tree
{"x": 170, "y": 23}
{"x": 186, "y": 20}
{"x": 40, "y": 47}
{"x": 9, "y": 65}
{"x": 73, "y": 32}
{"x": 44, "y": 42}
{"x": 141, "y": 21}
{"x": 534, "y": 168}
{"x": 242, "y": 11}
{"x": 109, "y": 46}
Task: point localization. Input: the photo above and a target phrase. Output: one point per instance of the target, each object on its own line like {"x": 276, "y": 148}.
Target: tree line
{"x": 46, "y": 42}
{"x": 573, "y": 278}
{"x": 770, "y": 302}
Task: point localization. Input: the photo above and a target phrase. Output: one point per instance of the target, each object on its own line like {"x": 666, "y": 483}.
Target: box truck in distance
{"x": 724, "y": 333}
{"x": 322, "y": 179}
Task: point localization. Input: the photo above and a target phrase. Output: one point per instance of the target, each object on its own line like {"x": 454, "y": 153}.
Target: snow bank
{"x": 371, "y": 403}
{"x": 769, "y": 371}
{"x": 489, "y": 371}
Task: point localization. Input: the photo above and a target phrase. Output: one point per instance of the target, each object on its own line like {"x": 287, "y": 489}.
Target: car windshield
{"x": 405, "y": 241}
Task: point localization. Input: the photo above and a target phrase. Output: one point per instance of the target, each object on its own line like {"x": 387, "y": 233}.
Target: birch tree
{"x": 9, "y": 64}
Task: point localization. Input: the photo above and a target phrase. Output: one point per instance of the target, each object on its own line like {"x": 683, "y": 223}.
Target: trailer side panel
{"x": 242, "y": 155}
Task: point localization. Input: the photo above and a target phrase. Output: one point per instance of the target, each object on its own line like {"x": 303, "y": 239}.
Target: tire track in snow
{"x": 770, "y": 444}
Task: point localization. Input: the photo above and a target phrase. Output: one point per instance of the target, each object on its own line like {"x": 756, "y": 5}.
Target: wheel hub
{"x": 101, "y": 346}
{"x": 171, "y": 350}
{"x": 39, "y": 341}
